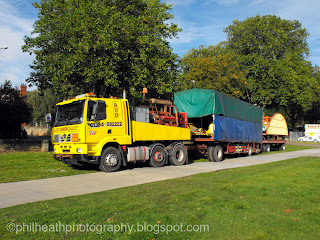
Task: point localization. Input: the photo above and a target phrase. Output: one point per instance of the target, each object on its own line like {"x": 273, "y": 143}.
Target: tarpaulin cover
{"x": 230, "y": 129}
{"x": 202, "y": 102}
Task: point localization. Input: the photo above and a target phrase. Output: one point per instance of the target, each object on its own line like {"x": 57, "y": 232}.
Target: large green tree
{"x": 213, "y": 68}
{"x": 272, "y": 52}
{"x": 103, "y": 46}
{"x": 313, "y": 115}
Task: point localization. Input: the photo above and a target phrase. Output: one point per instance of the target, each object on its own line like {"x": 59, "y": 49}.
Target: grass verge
{"x": 272, "y": 201}
{"x": 24, "y": 166}
{"x": 290, "y": 148}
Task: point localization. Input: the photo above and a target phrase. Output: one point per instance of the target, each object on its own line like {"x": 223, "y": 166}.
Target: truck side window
{"x": 100, "y": 112}
{"x": 90, "y": 110}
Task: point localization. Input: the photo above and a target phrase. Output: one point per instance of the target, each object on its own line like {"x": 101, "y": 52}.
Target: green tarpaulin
{"x": 202, "y": 102}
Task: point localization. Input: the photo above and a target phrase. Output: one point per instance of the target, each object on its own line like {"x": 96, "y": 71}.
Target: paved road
{"x": 45, "y": 189}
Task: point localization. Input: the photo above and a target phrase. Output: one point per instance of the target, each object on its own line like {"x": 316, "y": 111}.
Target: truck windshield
{"x": 69, "y": 114}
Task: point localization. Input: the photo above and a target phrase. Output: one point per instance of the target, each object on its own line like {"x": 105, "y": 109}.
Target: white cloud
{"x": 13, "y": 40}
{"x": 14, "y": 64}
{"x": 256, "y": 2}
{"x": 179, "y": 2}
{"x": 226, "y": 2}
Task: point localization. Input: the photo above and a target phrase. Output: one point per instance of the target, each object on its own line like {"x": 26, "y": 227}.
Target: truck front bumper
{"x": 75, "y": 159}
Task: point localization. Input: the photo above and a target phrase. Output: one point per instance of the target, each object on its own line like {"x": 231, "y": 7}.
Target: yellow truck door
{"x": 106, "y": 122}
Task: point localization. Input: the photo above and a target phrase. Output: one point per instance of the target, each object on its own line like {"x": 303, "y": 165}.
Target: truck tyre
{"x": 158, "y": 156}
{"x": 110, "y": 160}
{"x": 215, "y": 153}
{"x": 282, "y": 147}
{"x": 266, "y": 147}
{"x": 179, "y": 155}
{"x": 250, "y": 151}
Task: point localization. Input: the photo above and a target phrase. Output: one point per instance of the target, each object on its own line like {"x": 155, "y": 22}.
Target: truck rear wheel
{"x": 215, "y": 153}
{"x": 158, "y": 156}
{"x": 110, "y": 160}
{"x": 179, "y": 155}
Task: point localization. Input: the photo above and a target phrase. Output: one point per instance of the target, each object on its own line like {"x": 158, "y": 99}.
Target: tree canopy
{"x": 272, "y": 52}
{"x": 103, "y": 46}
{"x": 14, "y": 111}
{"x": 213, "y": 68}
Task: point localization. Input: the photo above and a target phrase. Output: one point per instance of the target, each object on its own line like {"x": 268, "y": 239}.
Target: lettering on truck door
{"x": 108, "y": 120}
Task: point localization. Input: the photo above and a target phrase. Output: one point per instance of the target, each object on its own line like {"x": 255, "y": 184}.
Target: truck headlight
{"x": 55, "y": 150}
{"x": 79, "y": 150}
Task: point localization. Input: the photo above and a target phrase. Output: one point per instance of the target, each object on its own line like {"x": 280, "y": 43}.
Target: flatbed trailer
{"x": 220, "y": 124}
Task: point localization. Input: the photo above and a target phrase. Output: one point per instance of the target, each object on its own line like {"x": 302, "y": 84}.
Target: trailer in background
{"x": 220, "y": 124}
{"x": 312, "y": 130}
{"x": 275, "y": 131}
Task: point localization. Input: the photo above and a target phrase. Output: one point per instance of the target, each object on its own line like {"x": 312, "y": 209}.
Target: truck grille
{"x": 58, "y": 138}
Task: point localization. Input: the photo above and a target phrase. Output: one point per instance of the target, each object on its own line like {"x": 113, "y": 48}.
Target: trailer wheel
{"x": 282, "y": 147}
{"x": 250, "y": 151}
{"x": 215, "y": 153}
{"x": 158, "y": 156}
{"x": 179, "y": 155}
{"x": 266, "y": 147}
{"x": 110, "y": 160}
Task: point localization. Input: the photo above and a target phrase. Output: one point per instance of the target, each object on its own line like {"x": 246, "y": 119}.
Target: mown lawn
{"x": 24, "y": 166}
{"x": 278, "y": 200}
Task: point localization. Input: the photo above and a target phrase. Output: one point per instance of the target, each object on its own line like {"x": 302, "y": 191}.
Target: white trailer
{"x": 312, "y": 130}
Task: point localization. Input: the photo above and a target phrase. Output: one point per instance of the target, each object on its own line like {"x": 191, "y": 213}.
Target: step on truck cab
{"x": 88, "y": 129}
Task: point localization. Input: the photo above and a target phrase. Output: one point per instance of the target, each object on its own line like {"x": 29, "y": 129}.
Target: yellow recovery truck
{"x": 100, "y": 130}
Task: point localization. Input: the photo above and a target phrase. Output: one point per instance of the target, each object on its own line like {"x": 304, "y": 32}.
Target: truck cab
{"x": 100, "y": 131}
{"x": 84, "y": 125}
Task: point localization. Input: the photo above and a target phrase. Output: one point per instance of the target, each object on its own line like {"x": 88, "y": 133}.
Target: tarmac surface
{"x": 16, "y": 193}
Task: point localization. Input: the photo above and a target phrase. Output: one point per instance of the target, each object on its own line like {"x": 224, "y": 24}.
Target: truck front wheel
{"x": 158, "y": 156}
{"x": 110, "y": 160}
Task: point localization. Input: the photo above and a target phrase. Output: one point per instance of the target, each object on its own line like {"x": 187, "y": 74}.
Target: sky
{"x": 202, "y": 23}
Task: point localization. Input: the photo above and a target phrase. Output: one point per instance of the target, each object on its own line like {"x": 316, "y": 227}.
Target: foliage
{"x": 103, "y": 46}
{"x": 272, "y": 52}
{"x": 14, "y": 111}
{"x": 213, "y": 68}
{"x": 297, "y": 90}
{"x": 313, "y": 115}
{"x": 42, "y": 103}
